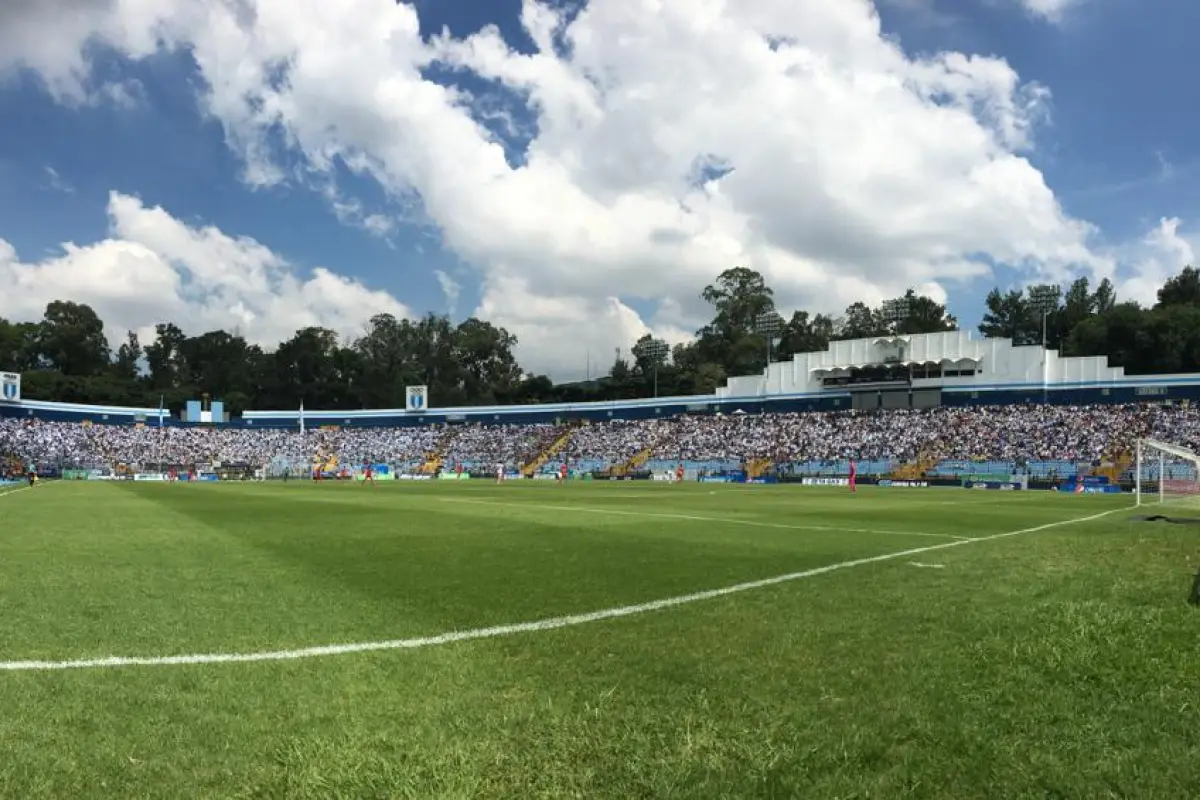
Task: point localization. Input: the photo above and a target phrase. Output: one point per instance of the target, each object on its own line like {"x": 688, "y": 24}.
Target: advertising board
{"x": 825, "y": 481}
{"x": 1003, "y": 486}
{"x": 1071, "y": 487}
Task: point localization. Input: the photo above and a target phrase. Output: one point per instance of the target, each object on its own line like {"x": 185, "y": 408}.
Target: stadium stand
{"x": 1042, "y": 441}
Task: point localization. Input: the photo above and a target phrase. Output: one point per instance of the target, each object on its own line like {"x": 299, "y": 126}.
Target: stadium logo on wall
{"x": 10, "y": 386}
{"x": 417, "y": 396}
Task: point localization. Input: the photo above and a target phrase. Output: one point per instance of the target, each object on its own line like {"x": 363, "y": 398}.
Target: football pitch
{"x": 625, "y": 640}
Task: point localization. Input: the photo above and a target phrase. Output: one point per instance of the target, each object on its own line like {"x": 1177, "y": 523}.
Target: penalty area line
{"x": 621, "y": 512}
{"x": 552, "y": 623}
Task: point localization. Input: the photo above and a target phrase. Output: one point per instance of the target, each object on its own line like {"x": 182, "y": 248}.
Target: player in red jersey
{"x": 853, "y": 475}
{"x": 172, "y": 475}
{"x": 679, "y": 473}
{"x": 368, "y": 474}
{"x": 562, "y": 473}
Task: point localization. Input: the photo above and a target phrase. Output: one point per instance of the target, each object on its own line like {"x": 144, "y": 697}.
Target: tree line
{"x": 66, "y": 356}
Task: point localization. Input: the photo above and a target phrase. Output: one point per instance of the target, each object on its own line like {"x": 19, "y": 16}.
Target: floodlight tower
{"x": 1044, "y": 300}
{"x": 770, "y": 325}
{"x": 895, "y": 312}
{"x": 656, "y": 350}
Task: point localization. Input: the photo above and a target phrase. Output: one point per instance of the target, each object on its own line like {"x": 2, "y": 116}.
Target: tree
{"x": 387, "y": 363}
{"x": 650, "y": 354}
{"x": 738, "y": 296}
{"x": 1009, "y": 316}
{"x": 489, "y": 368}
{"x": 129, "y": 356}
{"x": 71, "y": 339}
{"x": 1181, "y": 290}
{"x": 18, "y": 346}
{"x": 803, "y": 334}
{"x": 860, "y": 322}
{"x": 1119, "y": 334}
{"x": 1105, "y": 297}
{"x": 65, "y": 356}
{"x": 925, "y": 315}
{"x": 306, "y": 369}
{"x": 219, "y": 362}
{"x": 164, "y": 357}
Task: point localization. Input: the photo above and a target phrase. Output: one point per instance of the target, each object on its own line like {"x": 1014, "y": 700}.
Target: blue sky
{"x": 1115, "y": 147}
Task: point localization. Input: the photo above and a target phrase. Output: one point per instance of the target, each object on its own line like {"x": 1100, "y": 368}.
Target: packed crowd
{"x": 73, "y": 445}
{"x": 487, "y": 445}
{"x": 1014, "y": 433}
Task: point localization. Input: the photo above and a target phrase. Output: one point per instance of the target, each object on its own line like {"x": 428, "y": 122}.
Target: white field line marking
{"x": 553, "y": 623}
{"x": 928, "y": 566}
{"x": 618, "y": 512}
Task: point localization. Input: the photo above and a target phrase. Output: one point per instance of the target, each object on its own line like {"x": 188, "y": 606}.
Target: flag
{"x": 160, "y": 411}
{"x": 302, "y": 416}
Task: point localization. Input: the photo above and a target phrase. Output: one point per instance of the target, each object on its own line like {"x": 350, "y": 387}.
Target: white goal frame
{"x": 1150, "y": 451}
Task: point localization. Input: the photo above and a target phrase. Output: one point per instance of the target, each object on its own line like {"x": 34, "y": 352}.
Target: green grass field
{"x": 1060, "y": 662}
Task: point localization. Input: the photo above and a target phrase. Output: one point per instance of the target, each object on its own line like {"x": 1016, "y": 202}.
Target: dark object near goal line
{"x": 1171, "y": 520}
{"x": 1194, "y": 597}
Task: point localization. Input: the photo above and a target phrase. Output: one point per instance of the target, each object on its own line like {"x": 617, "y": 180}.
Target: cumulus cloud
{"x": 154, "y": 268}
{"x": 1160, "y": 255}
{"x": 667, "y": 141}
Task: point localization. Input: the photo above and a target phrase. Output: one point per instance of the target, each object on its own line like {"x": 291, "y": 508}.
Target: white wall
{"x": 1000, "y": 361}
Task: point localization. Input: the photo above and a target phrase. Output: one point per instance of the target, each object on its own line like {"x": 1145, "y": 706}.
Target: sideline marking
{"x": 26, "y": 487}
{"x": 552, "y": 623}
{"x": 621, "y": 512}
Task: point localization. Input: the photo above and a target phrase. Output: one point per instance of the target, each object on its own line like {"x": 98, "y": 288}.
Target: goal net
{"x": 1165, "y": 472}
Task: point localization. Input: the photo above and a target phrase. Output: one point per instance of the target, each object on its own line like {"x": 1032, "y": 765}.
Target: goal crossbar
{"x": 1175, "y": 450}
{"x": 1153, "y": 452}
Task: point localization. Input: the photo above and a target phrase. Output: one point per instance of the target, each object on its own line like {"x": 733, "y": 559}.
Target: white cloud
{"x": 450, "y": 290}
{"x": 154, "y": 268}
{"x": 56, "y": 182}
{"x": 1160, "y": 255}
{"x": 1049, "y": 10}
{"x": 853, "y": 170}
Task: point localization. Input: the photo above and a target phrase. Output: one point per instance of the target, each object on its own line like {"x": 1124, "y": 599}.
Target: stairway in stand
{"x": 756, "y": 467}
{"x": 1120, "y": 463}
{"x": 913, "y": 470}
{"x": 548, "y": 452}
{"x": 435, "y": 459}
{"x": 637, "y": 462}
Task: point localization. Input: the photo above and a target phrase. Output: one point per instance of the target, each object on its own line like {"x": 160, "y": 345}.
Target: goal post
{"x": 1164, "y": 472}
